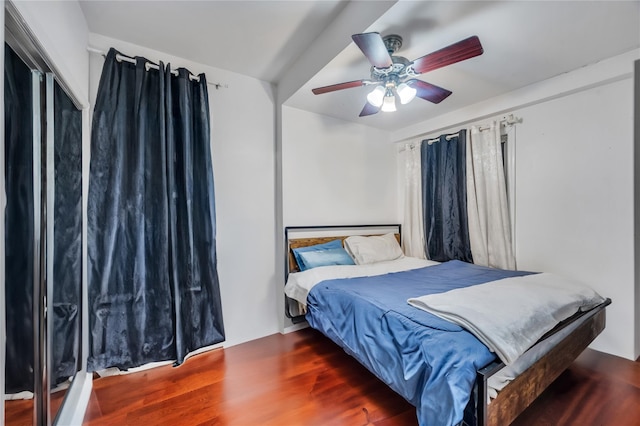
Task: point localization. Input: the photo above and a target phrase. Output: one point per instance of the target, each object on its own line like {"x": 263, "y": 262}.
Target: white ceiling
{"x": 524, "y": 42}
{"x": 255, "y": 38}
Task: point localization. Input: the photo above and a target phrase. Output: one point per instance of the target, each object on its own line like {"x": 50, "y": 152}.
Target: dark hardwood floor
{"x": 598, "y": 389}
{"x": 302, "y": 378}
{"x": 20, "y": 412}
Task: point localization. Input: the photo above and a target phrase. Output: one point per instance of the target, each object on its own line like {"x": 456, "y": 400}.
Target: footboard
{"x": 525, "y": 388}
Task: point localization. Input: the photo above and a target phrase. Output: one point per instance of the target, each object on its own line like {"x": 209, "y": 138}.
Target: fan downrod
{"x": 392, "y": 42}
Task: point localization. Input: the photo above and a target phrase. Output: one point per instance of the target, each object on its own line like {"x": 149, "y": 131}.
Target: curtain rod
{"x": 150, "y": 65}
{"x": 447, "y": 137}
{"x": 505, "y": 120}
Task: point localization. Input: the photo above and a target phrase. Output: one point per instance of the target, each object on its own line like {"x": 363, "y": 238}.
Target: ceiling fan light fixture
{"x": 376, "y": 97}
{"x": 395, "y": 75}
{"x": 389, "y": 103}
{"x": 406, "y": 93}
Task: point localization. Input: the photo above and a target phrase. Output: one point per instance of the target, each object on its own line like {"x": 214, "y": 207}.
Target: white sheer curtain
{"x": 487, "y": 207}
{"x": 413, "y": 228}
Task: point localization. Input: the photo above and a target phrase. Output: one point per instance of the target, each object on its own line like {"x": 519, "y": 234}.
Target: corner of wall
{"x": 283, "y": 322}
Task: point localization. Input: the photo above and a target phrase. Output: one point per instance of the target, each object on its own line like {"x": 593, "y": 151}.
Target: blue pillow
{"x": 326, "y": 254}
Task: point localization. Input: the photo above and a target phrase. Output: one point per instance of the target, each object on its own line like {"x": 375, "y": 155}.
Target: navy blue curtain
{"x": 444, "y": 198}
{"x": 19, "y": 217}
{"x": 153, "y": 284}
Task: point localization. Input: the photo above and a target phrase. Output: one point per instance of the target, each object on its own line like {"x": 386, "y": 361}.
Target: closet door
{"x": 43, "y": 243}
{"x": 22, "y": 238}
{"x": 45, "y": 366}
{"x": 64, "y": 239}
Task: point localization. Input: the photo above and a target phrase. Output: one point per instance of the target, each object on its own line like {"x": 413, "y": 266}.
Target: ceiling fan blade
{"x": 374, "y": 49}
{"x": 428, "y": 91}
{"x": 465, "y": 49}
{"x": 339, "y": 86}
{"x": 369, "y": 110}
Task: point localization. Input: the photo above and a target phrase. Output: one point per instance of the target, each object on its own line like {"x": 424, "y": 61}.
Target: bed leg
{"x": 481, "y": 402}
{"x": 482, "y": 378}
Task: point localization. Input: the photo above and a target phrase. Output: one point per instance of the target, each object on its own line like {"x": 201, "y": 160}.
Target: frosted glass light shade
{"x": 389, "y": 103}
{"x": 376, "y": 96}
{"x": 406, "y": 93}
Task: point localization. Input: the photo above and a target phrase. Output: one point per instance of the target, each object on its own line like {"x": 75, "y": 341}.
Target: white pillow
{"x": 376, "y": 248}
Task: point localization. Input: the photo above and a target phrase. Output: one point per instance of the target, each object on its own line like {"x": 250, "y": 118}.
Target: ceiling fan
{"x": 396, "y": 75}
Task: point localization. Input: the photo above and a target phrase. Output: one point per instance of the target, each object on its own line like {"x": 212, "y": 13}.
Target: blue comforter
{"x": 429, "y": 361}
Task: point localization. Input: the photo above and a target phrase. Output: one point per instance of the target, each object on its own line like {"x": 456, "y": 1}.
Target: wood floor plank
{"x": 299, "y": 378}
{"x": 20, "y": 412}
{"x": 303, "y": 378}
{"x": 593, "y": 391}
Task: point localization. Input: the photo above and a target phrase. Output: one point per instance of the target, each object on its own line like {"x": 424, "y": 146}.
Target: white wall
{"x": 242, "y": 144}
{"x": 336, "y": 172}
{"x": 574, "y": 198}
{"x": 334, "y": 38}
{"x": 574, "y": 182}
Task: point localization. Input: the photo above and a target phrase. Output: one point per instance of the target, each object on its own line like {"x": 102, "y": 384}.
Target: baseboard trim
{"x": 295, "y": 327}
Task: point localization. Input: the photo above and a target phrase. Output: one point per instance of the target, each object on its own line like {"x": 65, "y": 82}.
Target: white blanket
{"x": 512, "y": 314}
{"x": 300, "y": 284}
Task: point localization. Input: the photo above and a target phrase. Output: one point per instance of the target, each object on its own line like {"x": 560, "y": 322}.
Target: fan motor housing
{"x": 398, "y": 69}
{"x": 392, "y": 42}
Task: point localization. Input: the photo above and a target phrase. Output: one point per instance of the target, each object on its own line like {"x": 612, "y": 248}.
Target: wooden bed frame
{"x": 524, "y": 389}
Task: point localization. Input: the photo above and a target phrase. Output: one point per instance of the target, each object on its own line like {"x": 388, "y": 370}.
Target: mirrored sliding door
{"x": 64, "y": 241}
{"x": 22, "y": 236}
{"x": 43, "y": 243}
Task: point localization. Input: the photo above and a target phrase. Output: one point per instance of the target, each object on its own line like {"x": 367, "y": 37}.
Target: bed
{"x": 440, "y": 367}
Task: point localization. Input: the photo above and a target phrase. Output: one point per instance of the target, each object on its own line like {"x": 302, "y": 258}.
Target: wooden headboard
{"x": 312, "y": 241}
{"x": 304, "y": 236}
